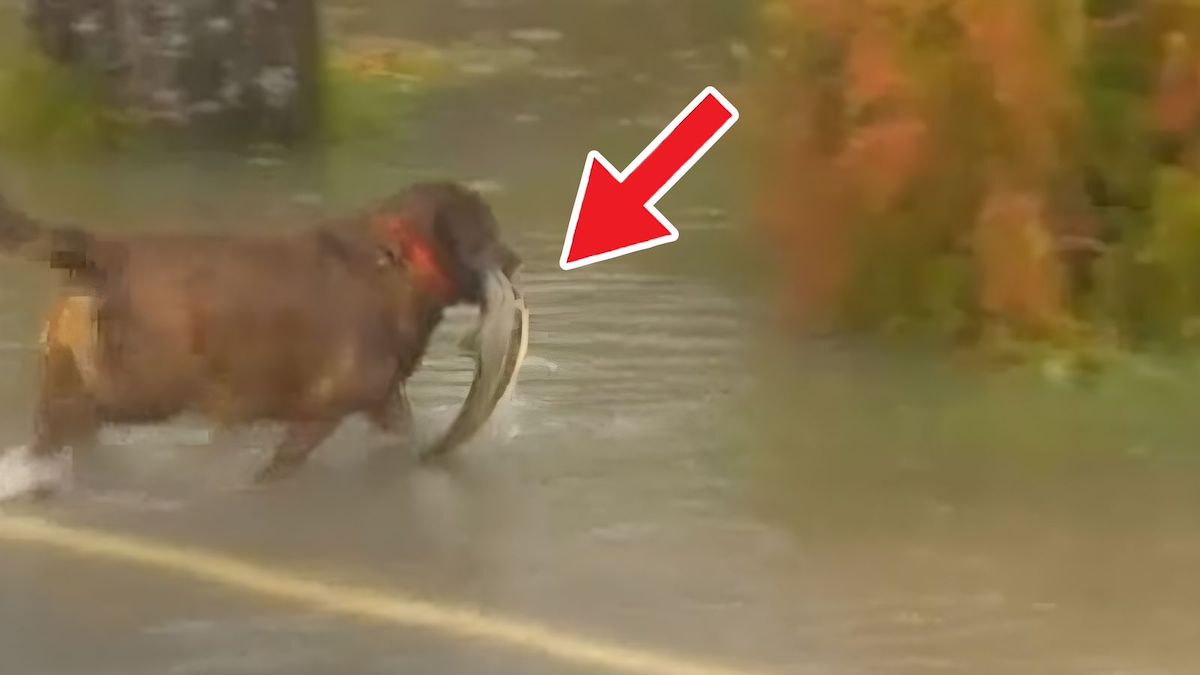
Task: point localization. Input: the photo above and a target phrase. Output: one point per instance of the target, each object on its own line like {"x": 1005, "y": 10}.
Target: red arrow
{"x": 614, "y": 211}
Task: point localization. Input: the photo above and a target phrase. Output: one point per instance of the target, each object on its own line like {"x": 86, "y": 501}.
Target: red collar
{"x": 426, "y": 269}
{"x": 428, "y": 273}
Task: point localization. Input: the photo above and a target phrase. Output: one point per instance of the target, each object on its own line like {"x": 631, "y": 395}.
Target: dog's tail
{"x": 23, "y": 236}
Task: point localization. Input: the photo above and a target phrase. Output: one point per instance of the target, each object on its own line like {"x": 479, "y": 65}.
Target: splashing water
{"x": 22, "y": 473}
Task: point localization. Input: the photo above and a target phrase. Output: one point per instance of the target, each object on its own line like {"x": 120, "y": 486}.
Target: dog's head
{"x": 447, "y": 235}
{"x": 445, "y": 238}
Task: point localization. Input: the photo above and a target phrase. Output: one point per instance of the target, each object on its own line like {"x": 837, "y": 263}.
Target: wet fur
{"x": 303, "y": 329}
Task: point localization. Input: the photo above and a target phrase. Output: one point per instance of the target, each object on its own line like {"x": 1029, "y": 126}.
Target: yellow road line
{"x": 352, "y": 601}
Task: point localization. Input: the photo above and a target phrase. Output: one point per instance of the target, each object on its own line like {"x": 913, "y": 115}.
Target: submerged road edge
{"x": 353, "y": 601}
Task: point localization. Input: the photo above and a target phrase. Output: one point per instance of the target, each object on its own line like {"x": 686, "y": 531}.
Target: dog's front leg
{"x": 393, "y": 415}
{"x": 299, "y": 440}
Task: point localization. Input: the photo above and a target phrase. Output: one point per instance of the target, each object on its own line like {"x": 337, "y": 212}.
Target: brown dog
{"x": 303, "y": 329}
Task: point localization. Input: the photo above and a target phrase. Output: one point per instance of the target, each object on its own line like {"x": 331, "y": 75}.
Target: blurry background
{"x": 913, "y": 393}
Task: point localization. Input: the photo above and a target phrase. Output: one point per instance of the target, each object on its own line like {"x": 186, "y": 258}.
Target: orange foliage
{"x": 863, "y": 136}
{"x": 1021, "y": 279}
{"x": 885, "y": 152}
{"x": 1027, "y": 80}
{"x": 1176, "y": 100}
{"x": 801, "y": 216}
{"x": 873, "y": 73}
{"x": 881, "y": 158}
{"x": 841, "y": 145}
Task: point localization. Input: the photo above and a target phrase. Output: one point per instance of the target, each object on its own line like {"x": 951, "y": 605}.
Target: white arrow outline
{"x": 595, "y": 156}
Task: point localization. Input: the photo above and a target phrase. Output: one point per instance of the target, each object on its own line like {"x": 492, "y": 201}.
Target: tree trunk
{"x": 237, "y": 69}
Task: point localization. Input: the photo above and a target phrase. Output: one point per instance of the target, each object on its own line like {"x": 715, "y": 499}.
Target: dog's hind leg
{"x": 66, "y": 413}
{"x": 64, "y": 419}
{"x": 300, "y": 439}
{"x": 64, "y": 422}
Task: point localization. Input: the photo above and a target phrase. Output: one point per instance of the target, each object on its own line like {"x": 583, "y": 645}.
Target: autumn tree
{"x": 972, "y": 166}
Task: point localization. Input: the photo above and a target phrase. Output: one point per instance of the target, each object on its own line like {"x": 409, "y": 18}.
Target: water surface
{"x": 667, "y": 475}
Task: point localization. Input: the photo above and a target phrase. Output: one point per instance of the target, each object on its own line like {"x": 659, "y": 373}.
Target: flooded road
{"x": 665, "y": 478}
